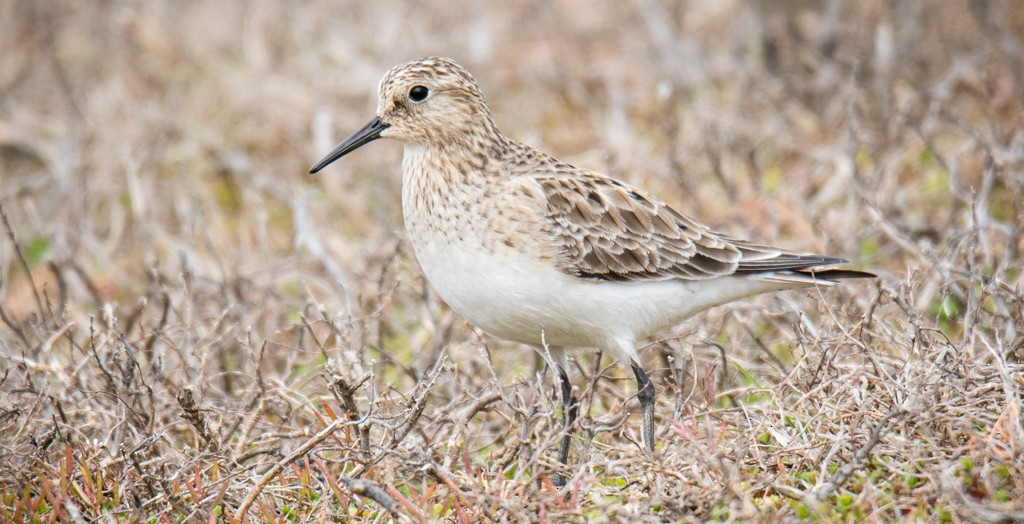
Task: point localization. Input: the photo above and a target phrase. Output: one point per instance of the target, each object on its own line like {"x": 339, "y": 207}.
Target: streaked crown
{"x": 433, "y": 101}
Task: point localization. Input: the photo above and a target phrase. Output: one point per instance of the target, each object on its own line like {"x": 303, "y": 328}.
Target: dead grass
{"x": 195, "y": 329}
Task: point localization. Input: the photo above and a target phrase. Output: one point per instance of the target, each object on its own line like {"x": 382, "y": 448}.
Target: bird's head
{"x": 428, "y": 102}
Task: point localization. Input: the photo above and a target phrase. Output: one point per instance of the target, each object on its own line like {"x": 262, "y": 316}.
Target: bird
{"x": 532, "y": 249}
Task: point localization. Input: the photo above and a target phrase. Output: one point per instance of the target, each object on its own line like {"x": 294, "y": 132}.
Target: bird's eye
{"x": 418, "y": 93}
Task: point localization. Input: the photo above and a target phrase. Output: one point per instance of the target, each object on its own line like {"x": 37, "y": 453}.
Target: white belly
{"x": 516, "y": 298}
{"x": 519, "y": 299}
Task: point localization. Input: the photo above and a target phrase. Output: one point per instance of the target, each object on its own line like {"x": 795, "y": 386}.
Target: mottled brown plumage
{"x": 532, "y": 249}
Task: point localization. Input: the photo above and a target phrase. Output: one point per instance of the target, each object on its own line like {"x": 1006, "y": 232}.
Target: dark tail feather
{"x": 804, "y": 277}
{"x": 797, "y": 268}
{"x": 837, "y": 274}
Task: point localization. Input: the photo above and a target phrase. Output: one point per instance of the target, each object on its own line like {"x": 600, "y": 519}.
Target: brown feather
{"x": 611, "y": 231}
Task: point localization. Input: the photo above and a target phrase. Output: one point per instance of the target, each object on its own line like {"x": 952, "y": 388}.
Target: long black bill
{"x": 367, "y": 134}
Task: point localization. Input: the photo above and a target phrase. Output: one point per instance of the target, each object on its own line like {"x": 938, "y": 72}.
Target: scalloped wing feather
{"x": 608, "y": 230}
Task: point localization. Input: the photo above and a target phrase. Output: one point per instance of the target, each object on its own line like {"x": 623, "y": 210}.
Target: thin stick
{"x": 323, "y": 435}
{"x": 822, "y": 491}
{"x": 367, "y": 488}
{"x": 24, "y": 263}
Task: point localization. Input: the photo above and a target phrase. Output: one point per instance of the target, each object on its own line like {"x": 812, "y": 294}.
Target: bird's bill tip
{"x": 370, "y": 132}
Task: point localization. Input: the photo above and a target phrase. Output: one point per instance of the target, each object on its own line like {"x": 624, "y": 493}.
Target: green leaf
{"x": 36, "y": 250}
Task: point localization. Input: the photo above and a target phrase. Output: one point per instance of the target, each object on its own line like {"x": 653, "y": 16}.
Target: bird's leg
{"x": 570, "y": 408}
{"x": 645, "y": 394}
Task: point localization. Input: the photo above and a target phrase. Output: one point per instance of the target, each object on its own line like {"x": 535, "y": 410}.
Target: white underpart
{"x": 523, "y": 300}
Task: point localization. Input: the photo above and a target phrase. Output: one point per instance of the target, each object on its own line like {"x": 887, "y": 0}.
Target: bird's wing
{"x": 607, "y": 230}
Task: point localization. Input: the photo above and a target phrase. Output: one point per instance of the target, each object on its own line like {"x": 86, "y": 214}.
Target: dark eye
{"x": 418, "y": 93}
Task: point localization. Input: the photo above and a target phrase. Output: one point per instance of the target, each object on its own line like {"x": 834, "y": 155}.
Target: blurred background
{"x": 140, "y": 136}
{"x": 154, "y": 157}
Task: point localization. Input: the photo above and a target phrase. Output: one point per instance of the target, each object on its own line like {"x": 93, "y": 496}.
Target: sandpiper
{"x": 532, "y": 249}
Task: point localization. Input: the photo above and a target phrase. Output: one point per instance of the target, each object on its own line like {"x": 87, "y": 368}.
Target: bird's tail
{"x": 824, "y": 277}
